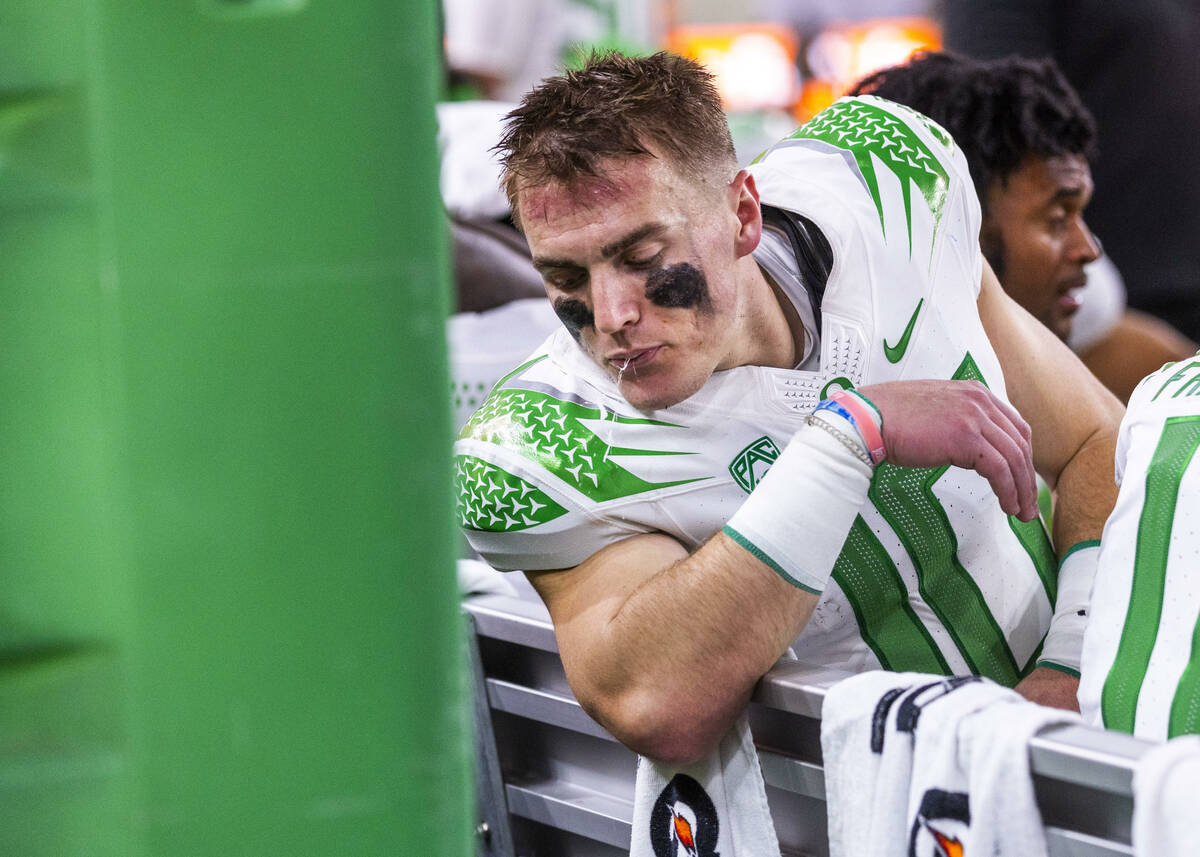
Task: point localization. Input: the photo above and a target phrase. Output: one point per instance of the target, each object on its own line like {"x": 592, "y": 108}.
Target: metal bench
{"x": 553, "y": 783}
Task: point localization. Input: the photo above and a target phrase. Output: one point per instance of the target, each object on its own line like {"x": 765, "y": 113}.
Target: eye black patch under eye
{"x": 574, "y": 315}
{"x": 681, "y": 286}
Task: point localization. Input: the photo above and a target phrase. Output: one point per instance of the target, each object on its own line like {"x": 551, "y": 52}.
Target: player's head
{"x": 617, "y": 107}
{"x": 623, "y": 177}
{"x": 1027, "y": 139}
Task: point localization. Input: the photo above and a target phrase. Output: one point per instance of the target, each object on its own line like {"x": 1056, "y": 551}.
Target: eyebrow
{"x": 1065, "y": 193}
{"x": 649, "y": 230}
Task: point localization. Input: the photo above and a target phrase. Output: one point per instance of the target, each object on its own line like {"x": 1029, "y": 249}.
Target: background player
{"x": 1029, "y": 142}
{"x": 614, "y": 467}
{"x": 1140, "y": 669}
{"x": 1137, "y": 68}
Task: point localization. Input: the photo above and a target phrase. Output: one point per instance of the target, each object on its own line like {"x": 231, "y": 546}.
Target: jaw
{"x": 658, "y": 386}
{"x": 1061, "y": 325}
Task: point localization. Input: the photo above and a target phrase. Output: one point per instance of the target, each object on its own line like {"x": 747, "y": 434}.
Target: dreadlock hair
{"x": 617, "y": 106}
{"x": 999, "y": 112}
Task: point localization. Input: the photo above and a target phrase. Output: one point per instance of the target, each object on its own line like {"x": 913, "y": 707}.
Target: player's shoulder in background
{"x": 1174, "y": 386}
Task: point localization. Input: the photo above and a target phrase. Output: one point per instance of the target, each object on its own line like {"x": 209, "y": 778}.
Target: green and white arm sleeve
{"x": 1064, "y": 641}
{"x": 797, "y": 519}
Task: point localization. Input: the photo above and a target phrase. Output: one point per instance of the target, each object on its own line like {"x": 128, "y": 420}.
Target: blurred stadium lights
{"x": 841, "y": 54}
{"x": 763, "y": 66}
{"x": 754, "y": 64}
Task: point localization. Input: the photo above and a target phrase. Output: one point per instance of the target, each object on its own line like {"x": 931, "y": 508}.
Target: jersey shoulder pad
{"x": 540, "y": 457}
{"x": 889, "y": 149}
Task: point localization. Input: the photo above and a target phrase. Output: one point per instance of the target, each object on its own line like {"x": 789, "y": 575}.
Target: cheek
{"x": 574, "y": 315}
{"x": 680, "y": 286}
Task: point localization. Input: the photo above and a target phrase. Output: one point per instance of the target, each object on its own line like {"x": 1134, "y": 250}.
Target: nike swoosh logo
{"x": 895, "y": 352}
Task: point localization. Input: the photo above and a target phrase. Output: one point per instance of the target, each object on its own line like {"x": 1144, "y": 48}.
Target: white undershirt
{"x": 776, "y": 257}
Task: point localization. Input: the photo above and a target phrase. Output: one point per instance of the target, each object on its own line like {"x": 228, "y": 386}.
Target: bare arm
{"x": 1074, "y": 421}
{"x": 1136, "y": 346}
{"x": 1073, "y": 417}
{"x": 664, "y": 648}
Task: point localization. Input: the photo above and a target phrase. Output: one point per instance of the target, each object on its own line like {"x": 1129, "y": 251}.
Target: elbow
{"x": 671, "y": 729}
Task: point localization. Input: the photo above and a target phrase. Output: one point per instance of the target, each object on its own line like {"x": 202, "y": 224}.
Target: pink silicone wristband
{"x": 865, "y": 421}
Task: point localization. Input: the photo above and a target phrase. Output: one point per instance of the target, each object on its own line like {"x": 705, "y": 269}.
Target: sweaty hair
{"x": 617, "y": 106}
{"x": 999, "y": 112}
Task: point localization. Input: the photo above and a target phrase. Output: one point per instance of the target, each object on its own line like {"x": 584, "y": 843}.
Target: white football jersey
{"x": 1141, "y": 653}
{"x": 933, "y": 576}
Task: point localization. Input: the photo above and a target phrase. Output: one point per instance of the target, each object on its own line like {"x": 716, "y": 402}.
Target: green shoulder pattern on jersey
{"x": 552, "y": 433}
{"x": 490, "y": 498}
{"x": 873, "y": 135}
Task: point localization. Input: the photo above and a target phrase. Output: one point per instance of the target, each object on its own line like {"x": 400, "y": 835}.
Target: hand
{"x": 1048, "y": 686}
{"x": 933, "y": 423}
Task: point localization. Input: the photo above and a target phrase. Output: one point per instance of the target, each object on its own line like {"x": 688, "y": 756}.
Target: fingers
{"x": 931, "y": 423}
{"x": 1020, "y": 456}
{"x": 1008, "y": 467}
{"x": 1000, "y": 440}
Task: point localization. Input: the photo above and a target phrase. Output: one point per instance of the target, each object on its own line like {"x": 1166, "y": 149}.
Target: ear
{"x": 743, "y": 196}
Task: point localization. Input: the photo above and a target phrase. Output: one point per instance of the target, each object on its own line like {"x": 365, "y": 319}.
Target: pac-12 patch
{"x": 752, "y": 463}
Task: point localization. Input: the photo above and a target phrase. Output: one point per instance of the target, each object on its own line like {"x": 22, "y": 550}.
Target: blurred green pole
{"x": 227, "y": 609}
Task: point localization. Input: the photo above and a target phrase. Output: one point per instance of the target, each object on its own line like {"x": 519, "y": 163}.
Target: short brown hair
{"x": 616, "y": 106}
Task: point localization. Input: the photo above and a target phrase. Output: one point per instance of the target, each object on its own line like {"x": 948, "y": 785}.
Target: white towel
{"x": 940, "y": 805}
{"x": 972, "y": 762}
{"x": 1166, "y": 782}
{"x": 994, "y": 749}
{"x": 867, "y": 770}
{"x": 479, "y": 578}
{"x": 716, "y": 806}
{"x": 952, "y": 774}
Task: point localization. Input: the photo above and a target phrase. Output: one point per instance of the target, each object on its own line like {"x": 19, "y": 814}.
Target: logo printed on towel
{"x": 941, "y": 825}
{"x": 908, "y": 712}
{"x": 684, "y": 820}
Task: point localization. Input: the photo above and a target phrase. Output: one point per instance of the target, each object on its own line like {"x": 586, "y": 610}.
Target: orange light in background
{"x": 841, "y": 54}
{"x": 754, "y": 64}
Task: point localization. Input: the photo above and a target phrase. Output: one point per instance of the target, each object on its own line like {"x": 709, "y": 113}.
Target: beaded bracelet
{"x": 843, "y": 438}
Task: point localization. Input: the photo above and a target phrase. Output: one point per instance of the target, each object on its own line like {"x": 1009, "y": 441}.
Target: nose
{"x": 616, "y": 302}
{"x": 1086, "y": 245}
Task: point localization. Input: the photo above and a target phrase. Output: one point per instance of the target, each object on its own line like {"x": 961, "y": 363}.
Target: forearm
{"x": 1074, "y": 419}
{"x": 1086, "y": 495}
{"x": 667, "y": 665}
{"x": 1086, "y": 491}
{"x": 679, "y": 659}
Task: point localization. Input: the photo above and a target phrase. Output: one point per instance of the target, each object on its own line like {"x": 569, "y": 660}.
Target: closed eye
{"x": 565, "y": 281}
{"x": 644, "y": 263}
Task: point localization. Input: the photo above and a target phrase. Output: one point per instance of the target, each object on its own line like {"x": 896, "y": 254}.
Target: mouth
{"x": 1069, "y": 300}
{"x": 634, "y": 358}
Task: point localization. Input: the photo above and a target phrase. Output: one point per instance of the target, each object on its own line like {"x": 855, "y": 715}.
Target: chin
{"x": 653, "y": 397}
{"x": 1058, "y": 324}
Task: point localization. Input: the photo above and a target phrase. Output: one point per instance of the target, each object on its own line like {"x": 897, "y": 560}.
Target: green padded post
{"x": 227, "y": 610}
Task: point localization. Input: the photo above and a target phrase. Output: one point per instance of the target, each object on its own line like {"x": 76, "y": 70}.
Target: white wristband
{"x": 797, "y": 519}
{"x": 1064, "y": 641}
